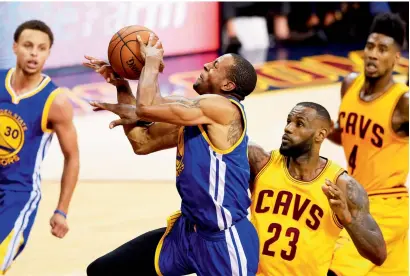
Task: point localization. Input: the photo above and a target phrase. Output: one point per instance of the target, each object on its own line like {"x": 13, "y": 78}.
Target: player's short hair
{"x": 243, "y": 74}
{"x": 321, "y": 111}
{"x": 391, "y": 25}
{"x": 34, "y": 25}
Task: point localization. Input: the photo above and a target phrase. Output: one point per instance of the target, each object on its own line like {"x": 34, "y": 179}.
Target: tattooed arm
{"x": 258, "y": 158}
{"x": 363, "y": 229}
{"x": 205, "y": 109}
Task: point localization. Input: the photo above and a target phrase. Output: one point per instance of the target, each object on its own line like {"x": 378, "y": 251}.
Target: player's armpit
{"x": 60, "y": 118}
{"x": 258, "y": 159}
{"x": 202, "y": 110}
{"x": 363, "y": 229}
{"x": 157, "y": 137}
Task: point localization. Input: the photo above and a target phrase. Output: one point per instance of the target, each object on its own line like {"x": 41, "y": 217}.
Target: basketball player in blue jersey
{"x": 211, "y": 235}
{"x": 31, "y": 110}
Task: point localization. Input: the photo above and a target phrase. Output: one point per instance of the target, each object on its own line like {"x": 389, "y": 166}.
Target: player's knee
{"x": 95, "y": 268}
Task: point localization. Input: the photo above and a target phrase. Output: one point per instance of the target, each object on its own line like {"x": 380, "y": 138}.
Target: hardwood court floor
{"x": 103, "y": 215}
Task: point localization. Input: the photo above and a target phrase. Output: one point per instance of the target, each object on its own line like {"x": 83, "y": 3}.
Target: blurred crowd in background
{"x": 308, "y": 23}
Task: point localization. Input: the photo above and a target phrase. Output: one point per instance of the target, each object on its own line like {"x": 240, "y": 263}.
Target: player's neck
{"x": 377, "y": 86}
{"x": 304, "y": 167}
{"x": 22, "y": 83}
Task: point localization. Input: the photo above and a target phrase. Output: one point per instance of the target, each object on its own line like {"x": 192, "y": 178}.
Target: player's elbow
{"x": 378, "y": 256}
{"x": 140, "y": 150}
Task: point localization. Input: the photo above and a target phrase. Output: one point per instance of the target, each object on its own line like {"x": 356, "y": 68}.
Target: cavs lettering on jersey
{"x": 376, "y": 156}
{"x": 212, "y": 183}
{"x": 24, "y": 136}
{"x": 296, "y": 226}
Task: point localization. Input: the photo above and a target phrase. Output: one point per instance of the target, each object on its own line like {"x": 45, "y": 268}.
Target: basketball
{"x": 124, "y": 51}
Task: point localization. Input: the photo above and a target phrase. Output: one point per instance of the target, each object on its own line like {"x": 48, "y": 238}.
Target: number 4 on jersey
{"x": 352, "y": 158}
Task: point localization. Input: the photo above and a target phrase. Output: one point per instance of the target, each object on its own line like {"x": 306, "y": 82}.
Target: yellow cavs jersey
{"x": 376, "y": 156}
{"x": 296, "y": 226}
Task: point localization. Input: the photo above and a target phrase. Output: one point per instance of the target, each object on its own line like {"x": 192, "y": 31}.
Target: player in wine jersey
{"x": 373, "y": 129}
{"x": 32, "y": 108}
{"x": 211, "y": 234}
{"x": 301, "y": 201}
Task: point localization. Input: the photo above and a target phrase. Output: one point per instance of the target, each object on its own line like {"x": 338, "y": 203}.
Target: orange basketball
{"x": 124, "y": 51}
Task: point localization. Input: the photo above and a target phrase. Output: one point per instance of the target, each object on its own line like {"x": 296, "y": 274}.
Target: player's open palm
{"x": 104, "y": 69}
{"x": 337, "y": 201}
{"x": 152, "y": 49}
{"x": 59, "y": 226}
{"x": 125, "y": 111}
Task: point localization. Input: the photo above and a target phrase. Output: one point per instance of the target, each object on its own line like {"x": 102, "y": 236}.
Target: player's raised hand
{"x": 337, "y": 201}
{"x": 126, "y": 112}
{"x": 59, "y": 226}
{"x": 104, "y": 69}
{"x": 152, "y": 50}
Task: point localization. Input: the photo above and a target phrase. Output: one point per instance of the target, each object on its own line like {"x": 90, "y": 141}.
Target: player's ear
{"x": 15, "y": 47}
{"x": 322, "y": 134}
{"x": 228, "y": 86}
{"x": 398, "y": 55}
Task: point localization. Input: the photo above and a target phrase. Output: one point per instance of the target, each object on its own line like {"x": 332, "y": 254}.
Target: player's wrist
{"x": 153, "y": 62}
{"x": 144, "y": 124}
{"x": 63, "y": 214}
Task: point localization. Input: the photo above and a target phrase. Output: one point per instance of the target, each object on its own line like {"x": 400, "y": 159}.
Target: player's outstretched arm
{"x": 336, "y": 134}
{"x": 350, "y": 203}
{"x": 258, "y": 158}
{"x": 60, "y": 118}
{"x": 205, "y": 109}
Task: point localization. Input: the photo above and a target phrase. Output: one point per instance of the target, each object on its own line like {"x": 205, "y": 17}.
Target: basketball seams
{"x": 122, "y": 39}
{"x": 118, "y": 33}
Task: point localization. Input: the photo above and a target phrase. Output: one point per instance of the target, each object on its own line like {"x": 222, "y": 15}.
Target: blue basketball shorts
{"x": 184, "y": 249}
{"x": 17, "y": 213}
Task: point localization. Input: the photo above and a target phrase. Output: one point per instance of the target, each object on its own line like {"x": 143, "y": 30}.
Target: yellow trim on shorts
{"x": 170, "y": 223}
{"x": 4, "y": 248}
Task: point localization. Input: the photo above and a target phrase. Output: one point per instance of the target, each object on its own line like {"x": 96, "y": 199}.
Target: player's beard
{"x": 297, "y": 150}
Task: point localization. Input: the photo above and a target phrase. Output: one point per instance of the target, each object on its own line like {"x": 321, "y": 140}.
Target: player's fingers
{"x": 89, "y": 65}
{"x": 118, "y": 122}
{"x": 97, "y": 109}
{"x": 139, "y": 39}
{"x": 151, "y": 39}
{"x": 158, "y": 45}
{"x": 335, "y": 192}
{"x": 89, "y": 57}
{"x": 335, "y": 202}
{"x": 325, "y": 190}
{"x": 101, "y": 105}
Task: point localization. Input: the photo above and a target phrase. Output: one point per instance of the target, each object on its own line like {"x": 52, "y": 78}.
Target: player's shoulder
{"x": 61, "y": 108}
{"x": 218, "y": 102}
{"x": 348, "y": 81}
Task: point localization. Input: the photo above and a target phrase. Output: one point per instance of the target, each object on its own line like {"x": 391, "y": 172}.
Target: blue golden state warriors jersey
{"x": 212, "y": 183}
{"x": 24, "y": 136}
